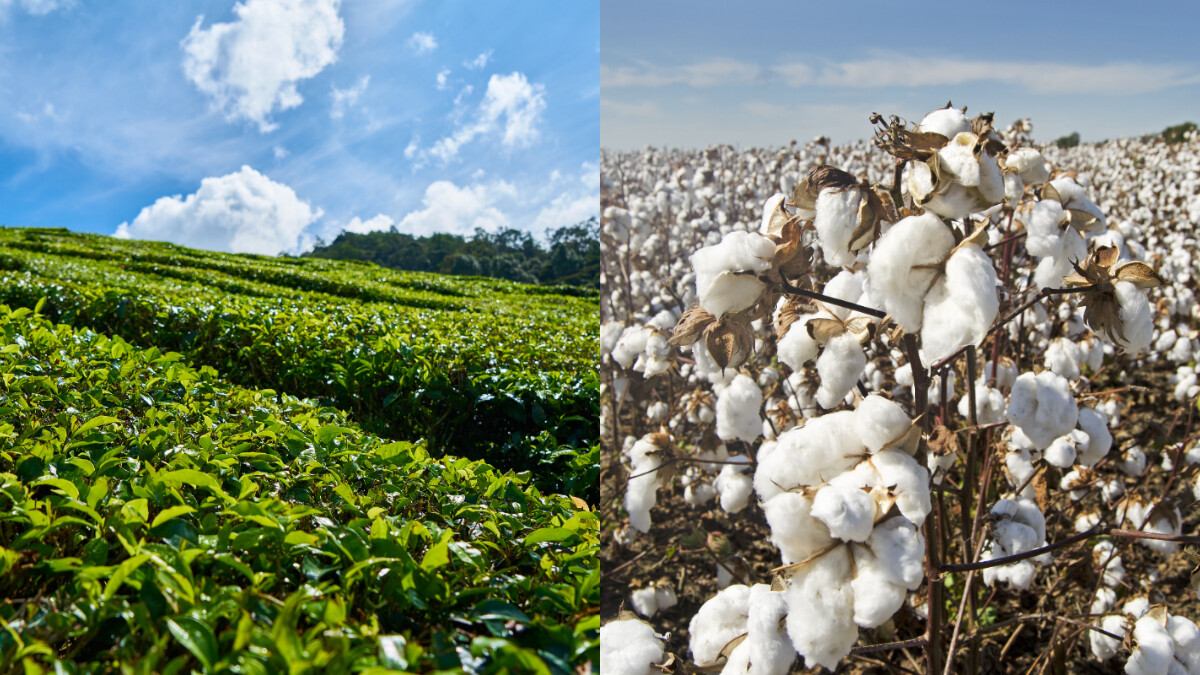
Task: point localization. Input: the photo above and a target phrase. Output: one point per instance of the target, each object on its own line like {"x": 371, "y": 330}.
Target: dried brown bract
{"x": 895, "y": 138}
{"x": 1098, "y": 273}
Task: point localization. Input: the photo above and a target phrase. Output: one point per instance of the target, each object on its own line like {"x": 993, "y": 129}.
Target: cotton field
{"x": 917, "y": 404}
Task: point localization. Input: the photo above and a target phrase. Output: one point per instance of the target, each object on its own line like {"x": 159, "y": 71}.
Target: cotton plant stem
{"x": 933, "y": 646}
{"x": 1083, "y": 536}
{"x": 888, "y": 646}
{"x": 813, "y": 295}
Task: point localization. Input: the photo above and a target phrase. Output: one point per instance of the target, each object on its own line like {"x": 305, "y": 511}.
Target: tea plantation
{"x": 227, "y": 463}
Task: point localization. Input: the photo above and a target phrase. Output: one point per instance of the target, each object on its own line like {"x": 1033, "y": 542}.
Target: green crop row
{"x": 155, "y": 519}
{"x": 515, "y": 387}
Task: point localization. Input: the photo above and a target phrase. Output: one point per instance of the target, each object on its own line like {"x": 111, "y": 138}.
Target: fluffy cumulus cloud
{"x": 575, "y": 203}
{"x": 512, "y": 108}
{"x": 344, "y": 99}
{"x": 452, "y": 209}
{"x": 250, "y": 67}
{"x": 360, "y": 226}
{"x": 422, "y": 43}
{"x": 243, "y": 212}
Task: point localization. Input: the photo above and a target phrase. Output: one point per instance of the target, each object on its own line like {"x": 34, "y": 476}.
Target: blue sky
{"x": 696, "y": 73}
{"x": 262, "y": 124}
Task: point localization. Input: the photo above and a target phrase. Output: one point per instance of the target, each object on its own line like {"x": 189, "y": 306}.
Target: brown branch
{"x": 813, "y": 295}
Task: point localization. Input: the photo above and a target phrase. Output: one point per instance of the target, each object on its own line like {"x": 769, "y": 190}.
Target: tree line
{"x": 571, "y": 254}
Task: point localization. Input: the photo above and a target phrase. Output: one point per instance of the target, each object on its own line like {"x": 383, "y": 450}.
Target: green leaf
{"x": 97, "y": 421}
{"x": 167, "y": 514}
{"x": 391, "y": 651}
{"x": 438, "y": 554}
{"x": 65, "y": 487}
{"x": 326, "y": 434}
{"x": 121, "y": 574}
{"x": 197, "y": 638}
{"x": 548, "y": 534}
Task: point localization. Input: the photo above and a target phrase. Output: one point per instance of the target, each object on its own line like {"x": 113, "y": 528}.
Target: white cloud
{"x": 574, "y": 205}
{"x": 463, "y": 94}
{"x": 422, "y": 43}
{"x": 344, "y": 99}
{"x": 794, "y": 74}
{"x": 459, "y": 210}
{"x": 36, "y": 7}
{"x": 379, "y": 222}
{"x": 1037, "y": 77}
{"x": 280, "y": 152}
{"x": 765, "y": 109}
{"x": 413, "y": 146}
{"x": 511, "y": 98}
{"x": 243, "y": 212}
{"x": 479, "y": 61}
{"x": 250, "y": 67}
{"x": 441, "y": 78}
{"x": 710, "y": 73}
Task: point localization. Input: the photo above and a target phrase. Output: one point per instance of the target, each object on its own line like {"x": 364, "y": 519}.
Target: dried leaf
{"x": 943, "y": 441}
{"x": 789, "y": 314}
{"x": 1051, "y": 193}
{"x": 1106, "y": 256}
{"x": 691, "y": 325}
{"x": 860, "y": 324}
{"x": 826, "y": 177}
{"x": 779, "y": 220}
{"x": 1139, "y": 274}
{"x": 824, "y": 330}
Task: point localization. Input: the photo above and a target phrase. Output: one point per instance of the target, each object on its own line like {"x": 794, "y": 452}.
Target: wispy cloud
{"x": 344, "y": 99}
{"x": 512, "y": 106}
{"x": 479, "y": 61}
{"x": 641, "y": 109}
{"x": 709, "y": 73}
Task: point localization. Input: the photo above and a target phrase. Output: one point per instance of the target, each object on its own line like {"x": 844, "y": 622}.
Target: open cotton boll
{"x": 948, "y": 122}
{"x": 1134, "y": 312}
{"x": 797, "y": 347}
{"x": 630, "y": 345}
{"x": 738, "y": 410}
{"x": 1014, "y": 188}
{"x": 809, "y": 455}
{"x": 900, "y": 548}
{"x": 629, "y": 647}
{"x": 1042, "y": 406}
{"x": 1018, "y": 526}
{"x": 962, "y": 304}
{"x": 610, "y": 334}
{"x": 989, "y": 404}
{"x": 1060, "y": 452}
{"x": 698, "y": 494}
{"x": 820, "y": 618}
{"x": 768, "y": 211}
{"x": 734, "y": 485}
{"x": 1029, "y": 165}
{"x": 641, "y": 493}
{"x": 1095, "y": 424}
{"x": 770, "y": 650}
{"x": 722, "y": 618}
{"x": 1044, "y": 229}
{"x": 876, "y": 598}
{"x": 849, "y": 513}
{"x": 726, "y": 273}
{"x": 1155, "y": 649}
{"x": 1133, "y": 461}
{"x": 1063, "y": 357}
{"x": 1112, "y": 568}
{"x": 878, "y": 422}
{"x": 1106, "y": 599}
{"x": 907, "y": 479}
{"x": 839, "y": 366}
{"x": 1103, "y": 646}
{"x": 1075, "y": 197}
{"x": 644, "y": 601}
{"x": 837, "y": 218}
{"x": 846, "y": 286}
{"x": 794, "y": 531}
{"x": 891, "y": 276}
{"x": 1186, "y": 635}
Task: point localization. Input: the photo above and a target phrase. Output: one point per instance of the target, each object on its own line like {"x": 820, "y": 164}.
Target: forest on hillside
{"x": 571, "y": 254}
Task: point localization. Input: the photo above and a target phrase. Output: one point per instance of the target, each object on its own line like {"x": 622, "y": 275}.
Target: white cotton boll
{"x": 1155, "y": 648}
{"x": 948, "y": 122}
{"x": 962, "y": 304}
{"x": 1087, "y": 521}
{"x": 1103, "y": 646}
{"x": 721, "y": 281}
{"x": 878, "y": 422}
{"x": 891, "y": 277}
{"x": 1042, "y": 406}
{"x": 1106, "y": 599}
{"x": 699, "y": 494}
{"x": 904, "y": 376}
{"x": 900, "y": 548}
{"x": 1018, "y": 527}
{"x": 839, "y": 366}
{"x": 1014, "y": 189}
{"x": 629, "y": 647}
{"x": 820, "y": 618}
{"x": 1075, "y": 197}
{"x": 809, "y": 455}
{"x": 719, "y": 620}
{"x": 1112, "y": 569}
{"x": 1072, "y": 481}
{"x": 837, "y": 217}
{"x": 1006, "y": 373}
{"x": 1133, "y": 461}
{"x": 657, "y": 411}
{"x": 610, "y": 334}
{"x": 768, "y": 210}
{"x": 1111, "y": 490}
{"x": 1095, "y": 424}
{"x": 794, "y": 531}
{"x": 875, "y": 598}
{"x": 630, "y": 345}
{"x": 664, "y": 597}
{"x": 844, "y": 286}
{"x": 1044, "y": 229}
{"x": 641, "y": 491}
{"x": 729, "y": 292}
{"x": 1135, "y": 316}
{"x": 989, "y": 404}
{"x": 738, "y": 410}
{"x": 1136, "y": 607}
{"x": 1029, "y": 164}
{"x": 770, "y": 650}
{"x": 957, "y": 159}
{"x": 734, "y": 485}
{"x": 1186, "y": 635}
{"x": 849, "y": 513}
{"x": 1060, "y": 452}
{"x": 1063, "y": 357}
{"x": 797, "y": 347}
{"x": 907, "y": 479}
{"x": 644, "y": 601}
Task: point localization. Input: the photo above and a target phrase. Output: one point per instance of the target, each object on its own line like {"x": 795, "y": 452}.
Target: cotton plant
{"x": 630, "y": 646}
